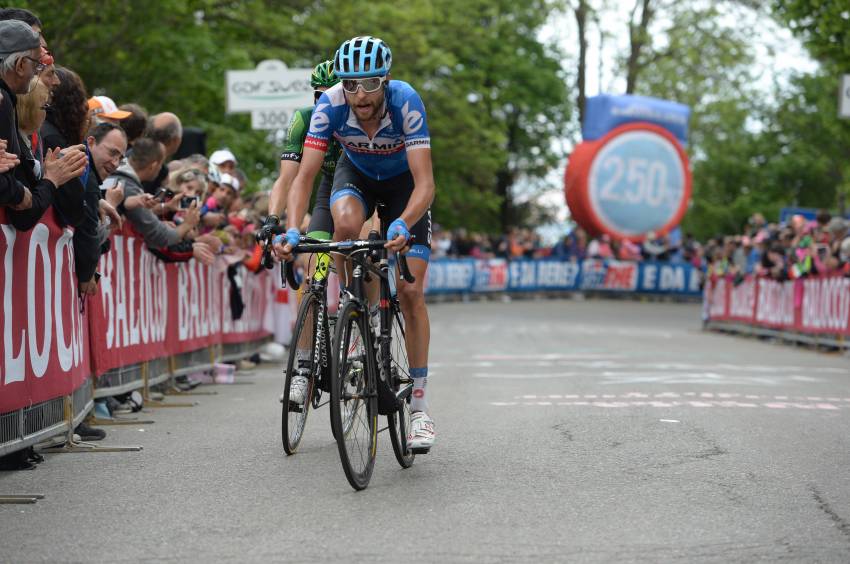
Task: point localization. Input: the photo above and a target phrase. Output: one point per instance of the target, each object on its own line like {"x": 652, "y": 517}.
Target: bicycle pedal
{"x": 295, "y": 407}
{"x": 420, "y": 450}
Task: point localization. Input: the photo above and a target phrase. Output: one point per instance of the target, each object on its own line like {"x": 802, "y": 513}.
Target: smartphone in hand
{"x": 164, "y": 194}
{"x": 186, "y": 201}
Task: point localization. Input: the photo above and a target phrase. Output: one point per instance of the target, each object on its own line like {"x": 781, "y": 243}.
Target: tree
{"x": 823, "y": 26}
{"x": 639, "y": 40}
{"x": 810, "y": 144}
{"x": 581, "y": 11}
{"x": 496, "y": 96}
{"x": 171, "y": 55}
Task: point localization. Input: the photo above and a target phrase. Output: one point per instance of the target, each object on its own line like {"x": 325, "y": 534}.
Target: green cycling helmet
{"x": 323, "y": 75}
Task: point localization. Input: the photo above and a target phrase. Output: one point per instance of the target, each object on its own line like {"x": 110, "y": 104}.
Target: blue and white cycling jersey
{"x": 403, "y": 128}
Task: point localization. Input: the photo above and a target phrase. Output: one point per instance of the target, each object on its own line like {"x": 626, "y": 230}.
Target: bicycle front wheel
{"x": 398, "y": 423}
{"x": 302, "y": 362}
{"x": 354, "y": 402}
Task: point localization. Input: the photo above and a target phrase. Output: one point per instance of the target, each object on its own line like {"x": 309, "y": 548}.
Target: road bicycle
{"x": 309, "y": 350}
{"x": 369, "y": 370}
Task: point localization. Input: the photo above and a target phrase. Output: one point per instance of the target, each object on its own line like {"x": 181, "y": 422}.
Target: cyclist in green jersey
{"x": 321, "y": 222}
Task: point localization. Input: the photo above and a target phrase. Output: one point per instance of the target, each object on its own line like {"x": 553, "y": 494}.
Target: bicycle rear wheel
{"x": 302, "y": 358}
{"x": 354, "y": 402}
{"x": 398, "y": 423}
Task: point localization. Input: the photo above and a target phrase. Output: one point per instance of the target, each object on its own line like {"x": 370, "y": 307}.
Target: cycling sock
{"x": 420, "y": 381}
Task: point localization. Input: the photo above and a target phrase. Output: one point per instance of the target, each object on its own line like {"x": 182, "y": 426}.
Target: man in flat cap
{"x": 20, "y": 188}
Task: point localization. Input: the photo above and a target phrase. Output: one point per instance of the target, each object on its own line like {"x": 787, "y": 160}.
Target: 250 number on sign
{"x": 646, "y": 182}
{"x": 637, "y": 183}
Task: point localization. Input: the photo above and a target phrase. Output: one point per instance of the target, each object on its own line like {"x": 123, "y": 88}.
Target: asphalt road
{"x": 581, "y": 431}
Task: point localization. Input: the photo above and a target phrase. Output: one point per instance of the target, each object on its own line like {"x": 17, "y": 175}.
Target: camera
{"x": 164, "y": 194}
{"x": 186, "y": 201}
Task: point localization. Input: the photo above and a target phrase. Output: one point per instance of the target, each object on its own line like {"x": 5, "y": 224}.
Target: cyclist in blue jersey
{"x": 381, "y": 125}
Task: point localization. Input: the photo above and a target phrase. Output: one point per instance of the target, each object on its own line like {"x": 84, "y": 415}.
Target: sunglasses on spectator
{"x": 369, "y": 85}
{"x": 39, "y": 66}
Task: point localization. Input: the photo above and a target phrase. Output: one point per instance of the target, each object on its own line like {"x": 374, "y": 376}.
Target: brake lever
{"x": 287, "y": 275}
{"x": 404, "y": 269}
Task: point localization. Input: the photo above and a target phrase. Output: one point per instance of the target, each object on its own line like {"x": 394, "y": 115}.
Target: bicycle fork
{"x": 388, "y": 373}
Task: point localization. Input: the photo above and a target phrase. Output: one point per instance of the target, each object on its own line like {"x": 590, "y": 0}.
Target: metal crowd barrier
{"x": 26, "y": 427}
{"x": 816, "y": 340}
{"x": 31, "y": 425}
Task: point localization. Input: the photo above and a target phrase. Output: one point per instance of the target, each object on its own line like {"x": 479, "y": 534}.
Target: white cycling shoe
{"x": 298, "y": 389}
{"x": 421, "y": 436}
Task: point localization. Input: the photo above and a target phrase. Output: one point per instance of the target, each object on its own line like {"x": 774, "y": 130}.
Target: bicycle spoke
{"x": 294, "y": 416}
{"x": 352, "y": 398}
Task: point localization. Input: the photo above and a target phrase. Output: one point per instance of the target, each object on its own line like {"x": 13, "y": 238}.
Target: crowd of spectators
{"x": 97, "y": 165}
{"x": 575, "y": 246}
{"x": 788, "y": 251}
{"x": 516, "y": 243}
{"x": 782, "y": 251}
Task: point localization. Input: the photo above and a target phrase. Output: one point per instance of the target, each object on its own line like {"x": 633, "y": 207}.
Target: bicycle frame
{"x": 364, "y": 254}
{"x": 321, "y": 341}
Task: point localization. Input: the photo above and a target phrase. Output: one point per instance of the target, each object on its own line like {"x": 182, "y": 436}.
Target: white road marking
{"x": 527, "y": 376}
{"x": 663, "y": 404}
{"x": 672, "y": 399}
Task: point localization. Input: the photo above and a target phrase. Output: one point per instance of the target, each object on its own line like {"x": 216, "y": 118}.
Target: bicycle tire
{"x": 398, "y": 423}
{"x": 294, "y": 421}
{"x": 353, "y": 393}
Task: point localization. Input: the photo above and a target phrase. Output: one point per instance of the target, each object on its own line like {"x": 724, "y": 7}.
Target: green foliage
{"x": 750, "y": 152}
{"x": 810, "y": 143}
{"x": 495, "y": 96}
{"x": 823, "y": 25}
{"x": 704, "y": 63}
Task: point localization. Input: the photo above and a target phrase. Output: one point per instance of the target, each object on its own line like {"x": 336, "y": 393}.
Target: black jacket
{"x": 13, "y": 182}
{"x": 67, "y": 201}
{"x": 87, "y": 244}
{"x": 70, "y": 200}
{"x": 85, "y": 216}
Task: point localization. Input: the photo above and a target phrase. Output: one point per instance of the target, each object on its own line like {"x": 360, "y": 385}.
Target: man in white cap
{"x": 224, "y": 160}
{"x": 103, "y": 109}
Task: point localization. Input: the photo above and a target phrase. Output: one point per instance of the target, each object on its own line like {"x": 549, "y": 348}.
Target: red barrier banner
{"x": 775, "y": 306}
{"x": 825, "y": 305}
{"x": 203, "y": 308}
{"x": 130, "y": 316}
{"x": 818, "y": 304}
{"x": 148, "y": 309}
{"x": 44, "y": 350}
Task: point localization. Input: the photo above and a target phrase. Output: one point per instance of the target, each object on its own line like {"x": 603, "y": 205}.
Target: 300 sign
{"x": 270, "y": 119}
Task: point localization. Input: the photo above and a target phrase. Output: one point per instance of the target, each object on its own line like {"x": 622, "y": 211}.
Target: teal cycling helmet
{"x": 323, "y": 75}
{"x": 361, "y": 57}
